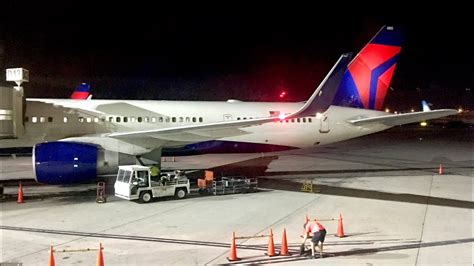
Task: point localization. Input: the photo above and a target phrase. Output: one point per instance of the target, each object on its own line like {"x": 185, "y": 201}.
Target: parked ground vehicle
{"x": 135, "y": 182}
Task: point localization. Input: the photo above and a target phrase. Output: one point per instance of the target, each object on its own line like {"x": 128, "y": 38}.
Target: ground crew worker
{"x": 317, "y": 233}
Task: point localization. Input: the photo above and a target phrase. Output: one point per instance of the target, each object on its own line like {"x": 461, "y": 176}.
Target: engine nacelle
{"x": 60, "y": 163}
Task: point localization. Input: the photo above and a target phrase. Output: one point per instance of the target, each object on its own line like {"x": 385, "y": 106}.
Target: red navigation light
{"x": 282, "y": 94}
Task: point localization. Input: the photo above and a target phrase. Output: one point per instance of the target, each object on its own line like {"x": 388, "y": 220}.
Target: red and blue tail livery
{"x": 367, "y": 78}
{"x": 81, "y": 92}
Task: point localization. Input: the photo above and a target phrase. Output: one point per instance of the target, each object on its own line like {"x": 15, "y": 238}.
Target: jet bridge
{"x": 12, "y": 105}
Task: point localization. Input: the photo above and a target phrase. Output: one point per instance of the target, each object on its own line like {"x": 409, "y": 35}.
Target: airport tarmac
{"x": 396, "y": 209}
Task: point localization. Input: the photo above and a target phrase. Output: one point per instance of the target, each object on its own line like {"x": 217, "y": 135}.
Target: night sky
{"x": 229, "y": 51}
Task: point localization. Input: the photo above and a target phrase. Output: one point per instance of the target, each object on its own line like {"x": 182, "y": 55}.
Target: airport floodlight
{"x": 18, "y": 75}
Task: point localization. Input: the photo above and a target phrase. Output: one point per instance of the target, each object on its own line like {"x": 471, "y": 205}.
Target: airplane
{"x": 75, "y": 140}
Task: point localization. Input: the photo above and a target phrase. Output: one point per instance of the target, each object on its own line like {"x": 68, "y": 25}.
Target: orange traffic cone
{"x": 271, "y": 245}
{"x": 233, "y": 250}
{"x": 100, "y": 257}
{"x": 20, "y": 194}
{"x": 440, "y": 169}
{"x": 340, "y": 228}
{"x": 51, "y": 256}
{"x": 284, "y": 245}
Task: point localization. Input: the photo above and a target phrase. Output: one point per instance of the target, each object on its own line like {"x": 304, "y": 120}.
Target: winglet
{"x": 426, "y": 107}
{"x": 324, "y": 94}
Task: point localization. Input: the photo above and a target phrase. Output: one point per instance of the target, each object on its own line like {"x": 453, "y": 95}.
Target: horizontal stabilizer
{"x": 401, "y": 119}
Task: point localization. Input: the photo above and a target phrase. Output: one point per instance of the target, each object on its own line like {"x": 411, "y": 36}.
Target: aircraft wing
{"x": 319, "y": 101}
{"x": 196, "y": 132}
{"x": 401, "y": 119}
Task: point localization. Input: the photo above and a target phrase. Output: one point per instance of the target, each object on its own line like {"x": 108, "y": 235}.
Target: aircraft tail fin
{"x": 367, "y": 78}
{"x": 81, "y": 92}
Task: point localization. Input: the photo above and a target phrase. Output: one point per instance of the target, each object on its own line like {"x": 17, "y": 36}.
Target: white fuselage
{"x": 54, "y": 119}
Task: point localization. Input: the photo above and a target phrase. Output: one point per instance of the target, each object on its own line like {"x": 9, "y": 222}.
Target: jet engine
{"x": 62, "y": 163}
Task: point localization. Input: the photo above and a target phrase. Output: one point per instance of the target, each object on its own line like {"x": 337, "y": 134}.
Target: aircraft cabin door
{"x": 227, "y": 117}
{"x": 324, "y": 124}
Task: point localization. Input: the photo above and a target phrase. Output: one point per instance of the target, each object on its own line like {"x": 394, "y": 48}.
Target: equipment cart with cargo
{"x": 226, "y": 185}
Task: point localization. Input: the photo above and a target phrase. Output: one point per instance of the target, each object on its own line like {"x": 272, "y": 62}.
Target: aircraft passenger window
{"x": 96, "y": 120}
{"x": 34, "y": 119}
{"x": 160, "y": 119}
{"x": 297, "y": 120}
{"x": 89, "y": 120}
{"x": 167, "y": 120}
{"x": 146, "y": 119}
{"x": 194, "y": 119}
{"x": 173, "y": 119}
{"x": 309, "y": 120}
{"x": 181, "y": 119}
{"x": 287, "y": 121}
{"x": 102, "y": 119}
{"x": 200, "y": 119}
{"x": 238, "y": 118}
{"x": 139, "y": 119}
{"x": 42, "y": 119}
{"x": 245, "y": 118}
{"x": 117, "y": 119}
{"x": 153, "y": 119}
{"x": 50, "y": 119}
{"x": 292, "y": 120}
{"x": 26, "y": 119}
{"x": 132, "y": 119}
{"x": 188, "y": 120}
{"x": 111, "y": 119}
{"x": 80, "y": 119}
{"x": 65, "y": 119}
{"x": 304, "y": 120}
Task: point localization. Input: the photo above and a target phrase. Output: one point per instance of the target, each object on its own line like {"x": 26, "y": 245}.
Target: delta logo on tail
{"x": 81, "y": 92}
{"x": 367, "y": 78}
